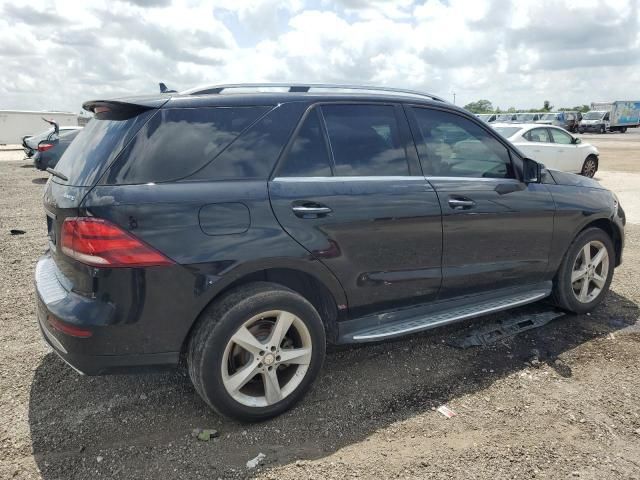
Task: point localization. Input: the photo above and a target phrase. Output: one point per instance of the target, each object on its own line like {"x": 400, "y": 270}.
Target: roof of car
{"x": 209, "y": 96}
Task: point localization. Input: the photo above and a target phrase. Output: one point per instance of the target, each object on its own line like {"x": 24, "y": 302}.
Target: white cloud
{"x": 55, "y": 55}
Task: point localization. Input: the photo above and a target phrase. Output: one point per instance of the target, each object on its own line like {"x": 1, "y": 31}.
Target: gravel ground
{"x": 561, "y": 401}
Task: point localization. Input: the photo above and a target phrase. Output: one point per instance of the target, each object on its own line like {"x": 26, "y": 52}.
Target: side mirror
{"x": 576, "y": 141}
{"x": 531, "y": 171}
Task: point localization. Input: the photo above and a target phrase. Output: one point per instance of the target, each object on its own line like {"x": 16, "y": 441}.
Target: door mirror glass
{"x": 532, "y": 171}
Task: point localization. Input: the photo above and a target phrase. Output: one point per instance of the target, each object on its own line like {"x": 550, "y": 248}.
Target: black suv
{"x": 243, "y": 228}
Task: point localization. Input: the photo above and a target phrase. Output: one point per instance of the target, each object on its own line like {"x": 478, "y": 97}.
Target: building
{"x": 15, "y": 124}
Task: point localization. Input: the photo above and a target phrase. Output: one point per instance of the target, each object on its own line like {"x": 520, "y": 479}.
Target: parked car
{"x": 553, "y": 147}
{"x": 244, "y": 231}
{"x": 487, "y": 117}
{"x": 50, "y": 151}
{"x": 567, "y": 120}
{"x": 30, "y": 143}
{"x": 527, "y": 117}
{"x": 505, "y": 117}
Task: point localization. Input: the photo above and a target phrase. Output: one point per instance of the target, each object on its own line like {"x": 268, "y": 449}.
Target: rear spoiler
{"x": 56, "y": 127}
{"x": 134, "y": 103}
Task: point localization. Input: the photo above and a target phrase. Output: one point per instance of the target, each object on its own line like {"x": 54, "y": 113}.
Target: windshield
{"x": 548, "y": 116}
{"x": 96, "y": 146}
{"x": 505, "y": 116}
{"x": 507, "y": 131}
{"x": 593, "y": 115}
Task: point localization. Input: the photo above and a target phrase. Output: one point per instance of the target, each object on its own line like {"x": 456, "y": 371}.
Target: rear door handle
{"x": 310, "y": 210}
{"x": 461, "y": 203}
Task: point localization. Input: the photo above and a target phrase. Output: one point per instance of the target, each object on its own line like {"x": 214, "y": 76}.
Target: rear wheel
{"x": 590, "y": 166}
{"x": 585, "y": 274}
{"x": 256, "y": 351}
{"x": 623, "y": 129}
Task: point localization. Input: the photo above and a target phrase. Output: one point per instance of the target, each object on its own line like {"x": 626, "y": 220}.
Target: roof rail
{"x": 306, "y": 87}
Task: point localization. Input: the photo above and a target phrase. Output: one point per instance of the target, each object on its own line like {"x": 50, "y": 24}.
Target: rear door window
{"x": 308, "y": 155}
{"x": 365, "y": 140}
{"x": 538, "y": 135}
{"x": 177, "y": 142}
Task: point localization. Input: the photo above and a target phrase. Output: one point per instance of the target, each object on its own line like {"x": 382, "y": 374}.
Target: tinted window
{"x": 177, "y": 142}
{"x": 254, "y": 153}
{"x": 561, "y": 137}
{"x": 365, "y": 140}
{"x": 97, "y": 145}
{"x": 540, "y": 135}
{"x": 453, "y": 146}
{"x": 308, "y": 156}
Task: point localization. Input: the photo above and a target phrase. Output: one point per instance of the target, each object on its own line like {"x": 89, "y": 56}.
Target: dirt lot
{"x": 561, "y": 401}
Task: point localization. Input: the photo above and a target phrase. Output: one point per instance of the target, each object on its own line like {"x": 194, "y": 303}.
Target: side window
{"x": 457, "y": 147}
{"x": 308, "y": 156}
{"x": 365, "y": 140}
{"x": 606, "y": 117}
{"x": 175, "y": 143}
{"x": 540, "y": 135}
{"x": 561, "y": 137}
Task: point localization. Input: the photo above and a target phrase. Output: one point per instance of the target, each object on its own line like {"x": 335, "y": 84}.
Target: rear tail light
{"x": 100, "y": 243}
{"x": 43, "y": 147}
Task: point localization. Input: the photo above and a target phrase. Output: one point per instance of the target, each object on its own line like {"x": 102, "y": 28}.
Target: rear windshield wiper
{"x": 55, "y": 173}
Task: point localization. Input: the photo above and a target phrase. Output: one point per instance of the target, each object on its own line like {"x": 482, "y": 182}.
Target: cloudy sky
{"x": 54, "y": 55}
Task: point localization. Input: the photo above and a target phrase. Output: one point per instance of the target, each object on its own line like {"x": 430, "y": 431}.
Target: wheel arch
{"x": 309, "y": 279}
{"x": 610, "y": 228}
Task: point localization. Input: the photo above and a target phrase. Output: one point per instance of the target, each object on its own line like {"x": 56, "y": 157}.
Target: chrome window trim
{"x": 348, "y": 179}
{"x": 474, "y": 179}
{"x": 387, "y": 178}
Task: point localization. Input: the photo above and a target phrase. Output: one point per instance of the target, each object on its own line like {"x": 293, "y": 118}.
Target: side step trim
{"x": 448, "y": 316}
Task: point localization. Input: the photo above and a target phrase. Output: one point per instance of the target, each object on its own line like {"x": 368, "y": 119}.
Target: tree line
{"x": 485, "y": 106}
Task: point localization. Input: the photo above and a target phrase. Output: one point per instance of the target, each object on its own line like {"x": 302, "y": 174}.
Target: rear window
{"x": 507, "y": 132}
{"x": 96, "y": 146}
{"x": 177, "y": 142}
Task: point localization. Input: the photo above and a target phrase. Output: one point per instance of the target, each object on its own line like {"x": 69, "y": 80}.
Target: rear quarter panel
{"x": 168, "y": 217}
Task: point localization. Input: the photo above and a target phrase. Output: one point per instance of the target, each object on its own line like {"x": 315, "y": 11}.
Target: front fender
{"x": 576, "y": 208}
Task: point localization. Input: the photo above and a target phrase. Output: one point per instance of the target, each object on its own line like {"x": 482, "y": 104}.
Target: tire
{"x": 623, "y": 129}
{"x": 213, "y": 357}
{"x": 589, "y": 167}
{"x": 603, "y": 129}
{"x": 564, "y": 290}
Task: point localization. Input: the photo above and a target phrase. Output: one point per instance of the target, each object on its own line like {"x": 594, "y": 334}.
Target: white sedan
{"x": 552, "y": 146}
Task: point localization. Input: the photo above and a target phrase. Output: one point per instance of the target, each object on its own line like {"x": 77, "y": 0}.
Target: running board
{"x": 443, "y": 317}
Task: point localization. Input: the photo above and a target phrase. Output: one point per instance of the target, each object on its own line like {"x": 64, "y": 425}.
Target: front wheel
{"x": 589, "y": 167}
{"x": 603, "y": 129}
{"x": 256, "y": 351}
{"x": 585, "y": 273}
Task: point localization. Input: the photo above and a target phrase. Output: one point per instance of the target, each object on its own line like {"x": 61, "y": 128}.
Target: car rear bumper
{"x": 57, "y": 304}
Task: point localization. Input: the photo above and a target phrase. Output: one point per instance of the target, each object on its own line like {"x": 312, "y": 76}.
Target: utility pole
{"x": 454, "y": 98}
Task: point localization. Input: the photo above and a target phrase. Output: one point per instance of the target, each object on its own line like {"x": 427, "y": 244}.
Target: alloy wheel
{"x": 589, "y": 168}
{"x": 590, "y": 271}
{"x": 266, "y": 359}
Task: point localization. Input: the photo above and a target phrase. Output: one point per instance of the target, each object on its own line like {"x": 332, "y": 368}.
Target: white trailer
{"x": 15, "y": 124}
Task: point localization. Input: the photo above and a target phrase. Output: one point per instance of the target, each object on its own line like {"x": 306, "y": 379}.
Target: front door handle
{"x": 461, "y": 203}
{"x": 310, "y": 210}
